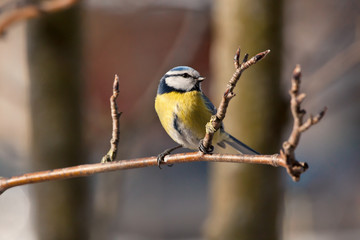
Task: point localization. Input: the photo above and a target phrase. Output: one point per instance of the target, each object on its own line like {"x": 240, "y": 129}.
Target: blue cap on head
{"x": 180, "y": 68}
{"x": 180, "y": 79}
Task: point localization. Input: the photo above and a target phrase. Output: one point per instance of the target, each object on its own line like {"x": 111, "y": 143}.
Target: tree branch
{"x": 27, "y": 11}
{"x": 285, "y": 159}
{"x": 115, "y": 115}
{"x": 216, "y": 120}
{"x": 295, "y": 168}
{"x": 90, "y": 169}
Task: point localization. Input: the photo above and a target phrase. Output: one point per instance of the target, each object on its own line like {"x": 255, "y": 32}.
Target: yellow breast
{"x": 188, "y": 107}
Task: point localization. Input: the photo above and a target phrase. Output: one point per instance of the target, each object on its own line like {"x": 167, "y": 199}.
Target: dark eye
{"x": 186, "y": 75}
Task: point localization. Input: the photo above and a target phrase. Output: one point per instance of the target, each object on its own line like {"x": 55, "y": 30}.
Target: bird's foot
{"x": 161, "y": 156}
{"x": 205, "y": 150}
{"x": 160, "y": 159}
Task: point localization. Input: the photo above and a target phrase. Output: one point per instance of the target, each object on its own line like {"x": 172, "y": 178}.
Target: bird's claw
{"x": 161, "y": 156}
{"x": 205, "y": 150}
{"x": 161, "y": 159}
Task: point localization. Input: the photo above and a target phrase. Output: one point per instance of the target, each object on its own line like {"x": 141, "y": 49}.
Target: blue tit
{"x": 184, "y": 110}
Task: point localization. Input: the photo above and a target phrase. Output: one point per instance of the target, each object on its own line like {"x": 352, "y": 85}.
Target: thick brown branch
{"x": 115, "y": 116}
{"x": 216, "y": 120}
{"x": 90, "y": 169}
{"x": 32, "y": 11}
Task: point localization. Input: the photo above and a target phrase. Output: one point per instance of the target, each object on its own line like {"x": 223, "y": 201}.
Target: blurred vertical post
{"x": 54, "y": 52}
{"x": 245, "y": 200}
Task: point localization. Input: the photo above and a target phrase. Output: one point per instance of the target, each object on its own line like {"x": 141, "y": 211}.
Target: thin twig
{"x": 26, "y": 11}
{"x": 295, "y": 168}
{"x": 215, "y": 122}
{"x": 115, "y": 116}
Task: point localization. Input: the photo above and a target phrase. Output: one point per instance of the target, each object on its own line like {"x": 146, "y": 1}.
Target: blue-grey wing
{"x": 209, "y": 104}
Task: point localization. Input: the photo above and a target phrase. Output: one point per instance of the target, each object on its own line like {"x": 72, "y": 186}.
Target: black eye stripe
{"x": 185, "y": 75}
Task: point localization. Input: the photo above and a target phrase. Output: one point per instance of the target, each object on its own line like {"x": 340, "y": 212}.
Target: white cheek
{"x": 180, "y": 83}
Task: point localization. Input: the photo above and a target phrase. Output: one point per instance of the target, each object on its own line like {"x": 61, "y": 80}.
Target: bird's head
{"x": 182, "y": 79}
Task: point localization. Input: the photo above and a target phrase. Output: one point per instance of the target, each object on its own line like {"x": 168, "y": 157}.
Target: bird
{"x": 183, "y": 110}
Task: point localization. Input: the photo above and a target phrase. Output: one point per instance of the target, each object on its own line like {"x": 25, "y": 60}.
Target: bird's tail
{"x": 239, "y": 146}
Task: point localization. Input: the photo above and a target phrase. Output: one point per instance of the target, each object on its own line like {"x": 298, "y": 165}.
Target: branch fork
{"x": 295, "y": 168}
{"x": 287, "y": 153}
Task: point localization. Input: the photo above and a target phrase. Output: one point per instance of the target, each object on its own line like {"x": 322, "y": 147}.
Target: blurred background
{"x": 56, "y": 75}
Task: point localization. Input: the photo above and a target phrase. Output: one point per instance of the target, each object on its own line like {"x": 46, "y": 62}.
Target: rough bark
{"x": 55, "y": 62}
{"x": 246, "y": 199}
